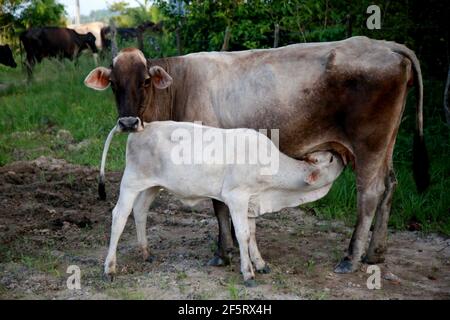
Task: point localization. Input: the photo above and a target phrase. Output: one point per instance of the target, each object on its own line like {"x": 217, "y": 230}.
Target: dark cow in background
{"x": 130, "y": 33}
{"x": 6, "y": 56}
{"x": 47, "y": 42}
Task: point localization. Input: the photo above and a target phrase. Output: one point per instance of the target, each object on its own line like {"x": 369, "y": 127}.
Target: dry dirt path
{"x": 50, "y": 218}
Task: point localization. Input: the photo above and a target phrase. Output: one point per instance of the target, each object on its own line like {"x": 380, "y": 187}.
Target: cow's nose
{"x": 129, "y": 123}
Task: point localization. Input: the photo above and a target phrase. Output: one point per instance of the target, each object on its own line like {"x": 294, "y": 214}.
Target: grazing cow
{"x": 40, "y": 43}
{"x": 6, "y": 56}
{"x": 242, "y": 168}
{"x": 347, "y": 96}
{"x": 93, "y": 27}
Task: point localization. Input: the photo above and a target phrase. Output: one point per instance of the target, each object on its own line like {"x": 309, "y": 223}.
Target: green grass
{"x": 31, "y": 116}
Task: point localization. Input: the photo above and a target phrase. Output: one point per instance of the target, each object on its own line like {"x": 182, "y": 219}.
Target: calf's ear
{"x": 160, "y": 78}
{"x": 98, "y": 79}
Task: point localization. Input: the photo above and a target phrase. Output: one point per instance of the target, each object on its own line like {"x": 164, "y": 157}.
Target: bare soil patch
{"x": 50, "y": 218}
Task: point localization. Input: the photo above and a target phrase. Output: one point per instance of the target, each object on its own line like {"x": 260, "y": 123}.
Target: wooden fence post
{"x": 113, "y": 29}
{"x": 349, "y": 26}
{"x": 446, "y": 105}
{"x": 276, "y": 35}
{"x": 178, "y": 36}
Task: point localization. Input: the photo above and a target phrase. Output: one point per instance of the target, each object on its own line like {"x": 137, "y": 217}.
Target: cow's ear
{"x": 98, "y": 79}
{"x": 160, "y": 78}
{"x": 312, "y": 177}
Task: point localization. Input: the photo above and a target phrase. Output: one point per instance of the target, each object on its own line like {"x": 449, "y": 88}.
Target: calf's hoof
{"x": 108, "y": 277}
{"x": 346, "y": 266}
{"x": 217, "y": 261}
{"x": 251, "y": 283}
{"x": 264, "y": 270}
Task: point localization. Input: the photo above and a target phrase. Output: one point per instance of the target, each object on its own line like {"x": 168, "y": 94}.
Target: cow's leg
{"x": 225, "y": 240}
{"x": 378, "y": 246}
{"x": 241, "y": 225}
{"x": 119, "y": 218}
{"x": 369, "y": 194}
{"x": 140, "y": 209}
{"x": 259, "y": 263}
{"x": 29, "y": 63}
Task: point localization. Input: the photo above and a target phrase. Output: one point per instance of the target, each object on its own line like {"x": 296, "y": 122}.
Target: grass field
{"x": 33, "y": 115}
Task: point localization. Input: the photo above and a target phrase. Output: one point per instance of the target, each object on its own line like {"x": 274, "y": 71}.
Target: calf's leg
{"x": 140, "y": 209}
{"x": 259, "y": 263}
{"x": 241, "y": 225}
{"x": 119, "y": 218}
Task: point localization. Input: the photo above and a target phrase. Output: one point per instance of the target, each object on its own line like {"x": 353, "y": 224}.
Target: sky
{"x": 86, "y": 6}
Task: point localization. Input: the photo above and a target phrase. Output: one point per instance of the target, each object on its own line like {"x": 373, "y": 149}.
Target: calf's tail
{"x": 421, "y": 164}
{"x": 101, "y": 180}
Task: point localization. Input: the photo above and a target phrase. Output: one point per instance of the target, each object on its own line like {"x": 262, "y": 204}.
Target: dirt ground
{"x": 50, "y": 218}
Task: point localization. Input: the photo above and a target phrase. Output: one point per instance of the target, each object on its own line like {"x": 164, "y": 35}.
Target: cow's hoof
{"x": 108, "y": 277}
{"x": 345, "y": 266}
{"x": 264, "y": 270}
{"x": 218, "y": 262}
{"x": 251, "y": 283}
{"x": 150, "y": 259}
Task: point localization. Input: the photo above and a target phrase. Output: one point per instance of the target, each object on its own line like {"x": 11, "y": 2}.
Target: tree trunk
{"x": 226, "y": 39}
{"x": 276, "y": 35}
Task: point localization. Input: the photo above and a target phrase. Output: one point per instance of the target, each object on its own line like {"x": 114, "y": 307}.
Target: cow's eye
{"x": 147, "y": 82}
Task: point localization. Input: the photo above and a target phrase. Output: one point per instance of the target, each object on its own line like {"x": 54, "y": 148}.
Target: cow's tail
{"x": 101, "y": 180}
{"x": 420, "y": 156}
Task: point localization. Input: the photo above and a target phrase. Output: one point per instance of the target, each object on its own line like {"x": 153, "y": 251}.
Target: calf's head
{"x": 132, "y": 82}
{"x": 324, "y": 167}
{"x": 89, "y": 41}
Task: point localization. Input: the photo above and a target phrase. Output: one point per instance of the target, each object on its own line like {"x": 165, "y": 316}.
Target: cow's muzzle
{"x": 130, "y": 124}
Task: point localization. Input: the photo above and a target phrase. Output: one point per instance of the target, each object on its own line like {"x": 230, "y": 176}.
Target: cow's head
{"x": 132, "y": 82}
{"x": 89, "y": 41}
{"x": 6, "y": 56}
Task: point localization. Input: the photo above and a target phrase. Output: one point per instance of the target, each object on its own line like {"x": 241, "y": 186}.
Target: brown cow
{"x": 347, "y": 96}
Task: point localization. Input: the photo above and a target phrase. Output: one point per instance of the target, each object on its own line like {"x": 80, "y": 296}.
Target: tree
{"x": 18, "y": 15}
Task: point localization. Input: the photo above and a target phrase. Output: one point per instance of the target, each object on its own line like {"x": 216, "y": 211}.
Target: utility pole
{"x": 77, "y": 11}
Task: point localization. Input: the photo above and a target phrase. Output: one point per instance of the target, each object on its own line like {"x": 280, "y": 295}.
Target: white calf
{"x": 158, "y": 157}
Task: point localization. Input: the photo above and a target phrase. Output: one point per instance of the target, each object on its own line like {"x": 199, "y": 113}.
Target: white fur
{"x": 241, "y": 187}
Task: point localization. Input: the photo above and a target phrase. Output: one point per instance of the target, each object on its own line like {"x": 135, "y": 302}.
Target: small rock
{"x": 389, "y": 276}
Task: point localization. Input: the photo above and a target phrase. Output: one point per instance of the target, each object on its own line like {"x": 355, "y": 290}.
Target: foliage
{"x": 18, "y": 15}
